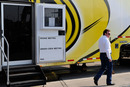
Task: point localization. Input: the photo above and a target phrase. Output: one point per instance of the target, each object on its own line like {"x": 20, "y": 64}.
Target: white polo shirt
{"x": 105, "y": 46}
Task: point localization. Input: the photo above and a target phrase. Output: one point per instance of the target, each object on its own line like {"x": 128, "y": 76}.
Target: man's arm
{"x": 108, "y": 50}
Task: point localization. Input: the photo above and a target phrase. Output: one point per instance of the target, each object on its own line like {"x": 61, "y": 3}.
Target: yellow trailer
{"x": 85, "y": 22}
{"x": 45, "y": 33}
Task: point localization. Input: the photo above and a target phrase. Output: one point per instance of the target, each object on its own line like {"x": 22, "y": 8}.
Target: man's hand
{"x": 110, "y": 60}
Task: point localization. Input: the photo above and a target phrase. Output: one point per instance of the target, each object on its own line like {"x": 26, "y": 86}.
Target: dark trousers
{"x": 105, "y": 65}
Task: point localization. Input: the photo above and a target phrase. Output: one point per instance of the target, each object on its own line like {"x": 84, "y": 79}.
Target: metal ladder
{"x": 5, "y": 56}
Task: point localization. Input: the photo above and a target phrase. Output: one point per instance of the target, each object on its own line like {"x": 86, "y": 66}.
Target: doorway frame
{"x": 19, "y": 62}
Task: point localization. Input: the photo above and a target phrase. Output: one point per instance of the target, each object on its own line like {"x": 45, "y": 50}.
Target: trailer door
{"x": 17, "y": 28}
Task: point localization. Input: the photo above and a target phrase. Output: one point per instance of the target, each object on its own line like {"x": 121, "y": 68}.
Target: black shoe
{"x": 95, "y": 81}
{"x": 110, "y": 84}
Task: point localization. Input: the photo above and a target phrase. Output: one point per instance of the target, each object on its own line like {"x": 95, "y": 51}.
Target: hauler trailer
{"x": 31, "y": 34}
{"x": 57, "y": 32}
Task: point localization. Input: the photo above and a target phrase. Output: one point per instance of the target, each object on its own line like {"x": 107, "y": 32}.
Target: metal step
{"x": 22, "y": 77}
{"x": 29, "y": 75}
{"x": 20, "y": 66}
{"x": 23, "y": 74}
{"x": 27, "y": 83}
{"x": 13, "y": 71}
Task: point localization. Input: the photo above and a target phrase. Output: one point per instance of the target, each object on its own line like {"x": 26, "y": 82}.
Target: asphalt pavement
{"x": 121, "y": 78}
{"x": 62, "y": 76}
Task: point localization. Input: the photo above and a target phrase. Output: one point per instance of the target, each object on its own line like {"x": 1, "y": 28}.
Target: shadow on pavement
{"x": 66, "y": 73}
{"x": 95, "y": 86}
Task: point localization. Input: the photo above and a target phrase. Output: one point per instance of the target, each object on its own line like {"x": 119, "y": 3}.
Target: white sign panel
{"x": 52, "y": 49}
{"x": 51, "y": 22}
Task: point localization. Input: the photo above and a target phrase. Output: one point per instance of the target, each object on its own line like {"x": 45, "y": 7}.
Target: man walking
{"x": 105, "y": 57}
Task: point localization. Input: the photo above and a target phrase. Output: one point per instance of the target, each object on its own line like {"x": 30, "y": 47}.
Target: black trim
{"x": 120, "y": 34}
{"x": 33, "y": 35}
{"x": 91, "y": 25}
{"x": 96, "y": 51}
{"x": 79, "y": 28}
{"x": 72, "y": 19}
{"x": 16, "y": 0}
{"x": 48, "y": 1}
{"x": 66, "y": 26}
{"x": 89, "y": 55}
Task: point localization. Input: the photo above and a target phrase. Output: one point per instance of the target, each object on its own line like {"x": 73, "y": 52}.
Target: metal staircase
{"x": 25, "y": 76}
{"x": 20, "y": 76}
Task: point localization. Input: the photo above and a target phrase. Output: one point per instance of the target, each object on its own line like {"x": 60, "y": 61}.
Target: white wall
{"x": 119, "y": 16}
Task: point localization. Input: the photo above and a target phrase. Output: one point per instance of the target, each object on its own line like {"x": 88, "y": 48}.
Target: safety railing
{"x": 6, "y": 56}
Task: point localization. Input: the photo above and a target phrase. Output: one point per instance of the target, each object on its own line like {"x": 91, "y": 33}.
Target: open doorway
{"x": 17, "y": 27}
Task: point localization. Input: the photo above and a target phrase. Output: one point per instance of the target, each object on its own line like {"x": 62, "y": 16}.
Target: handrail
{"x": 6, "y": 57}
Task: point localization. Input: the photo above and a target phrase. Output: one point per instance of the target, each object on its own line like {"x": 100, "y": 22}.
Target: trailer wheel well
{"x": 125, "y": 50}
{"x": 124, "y": 53}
